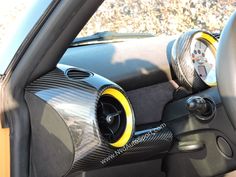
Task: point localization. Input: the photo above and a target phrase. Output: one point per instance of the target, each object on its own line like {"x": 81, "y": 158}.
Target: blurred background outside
{"x": 158, "y": 17}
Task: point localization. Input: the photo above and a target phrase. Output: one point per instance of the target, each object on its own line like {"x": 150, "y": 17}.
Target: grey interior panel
{"x": 150, "y": 168}
{"x": 131, "y": 64}
{"x": 149, "y": 102}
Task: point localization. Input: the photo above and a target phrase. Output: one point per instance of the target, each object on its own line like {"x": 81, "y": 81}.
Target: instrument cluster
{"x": 194, "y": 59}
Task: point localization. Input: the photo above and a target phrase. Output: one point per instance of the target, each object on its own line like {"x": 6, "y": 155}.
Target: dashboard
{"x": 106, "y": 97}
{"x": 132, "y": 64}
{"x": 191, "y": 55}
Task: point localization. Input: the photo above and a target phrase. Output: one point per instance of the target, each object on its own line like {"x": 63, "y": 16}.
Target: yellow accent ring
{"x": 210, "y": 39}
{"x": 123, "y": 140}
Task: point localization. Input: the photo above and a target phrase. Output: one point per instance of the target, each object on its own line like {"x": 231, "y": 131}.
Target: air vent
{"x": 111, "y": 118}
{"x": 77, "y": 74}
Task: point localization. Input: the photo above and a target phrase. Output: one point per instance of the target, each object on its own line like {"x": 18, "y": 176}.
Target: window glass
{"x": 160, "y": 17}
{"x": 17, "y": 18}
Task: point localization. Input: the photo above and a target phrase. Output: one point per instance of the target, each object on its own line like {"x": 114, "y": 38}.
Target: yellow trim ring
{"x": 205, "y": 36}
{"x": 129, "y": 116}
{"x": 213, "y": 44}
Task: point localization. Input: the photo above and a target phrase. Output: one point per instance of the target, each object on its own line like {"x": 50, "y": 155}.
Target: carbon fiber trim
{"x": 76, "y": 103}
{"x": 148, "y": 146}
{"x": 180, "y": 57}
{"x": 154, "y": 139}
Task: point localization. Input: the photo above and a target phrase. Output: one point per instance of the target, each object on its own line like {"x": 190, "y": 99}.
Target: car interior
{"x": 130, "y": 106}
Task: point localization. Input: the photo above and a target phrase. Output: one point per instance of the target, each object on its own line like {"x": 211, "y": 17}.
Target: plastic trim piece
{"x": 226, "y": 67}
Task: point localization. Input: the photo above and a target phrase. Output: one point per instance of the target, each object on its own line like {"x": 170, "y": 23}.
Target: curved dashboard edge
{"x": 131, "y": 64}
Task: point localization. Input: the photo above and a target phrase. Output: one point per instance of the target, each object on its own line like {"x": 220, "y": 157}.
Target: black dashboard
{"x": 131, "y": 64}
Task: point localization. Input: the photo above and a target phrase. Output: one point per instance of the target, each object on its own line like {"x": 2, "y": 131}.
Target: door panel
{"x": 4, "y": 152}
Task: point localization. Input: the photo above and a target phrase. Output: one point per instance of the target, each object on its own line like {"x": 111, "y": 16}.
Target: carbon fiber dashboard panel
{"x": 73, "y": 125}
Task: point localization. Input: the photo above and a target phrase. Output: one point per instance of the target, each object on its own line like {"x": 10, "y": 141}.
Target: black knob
{"x": 196, "y": 104}
{"x": 202, "y": 108}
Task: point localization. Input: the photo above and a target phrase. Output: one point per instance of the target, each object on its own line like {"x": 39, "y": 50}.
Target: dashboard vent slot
{"x": 77, "y": 74}
{"x": 111, "y": 118}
